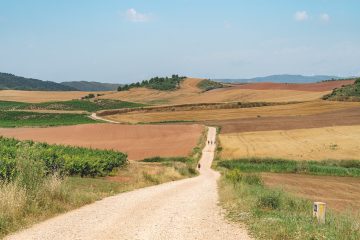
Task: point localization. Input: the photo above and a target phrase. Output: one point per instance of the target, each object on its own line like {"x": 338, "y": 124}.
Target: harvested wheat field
{"x": 338, "y": 143}
{"x": 190, "y": 93}
{"x": 41, "y": 96}
{"x": 306, "y": 108}
{"x": 138, "y": 141}
{"x": 340, "y": 193}
{"x": 312, "y": 87}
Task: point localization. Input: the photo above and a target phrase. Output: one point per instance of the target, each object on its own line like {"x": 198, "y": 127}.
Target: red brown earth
{"x": 344, "y": 117}
{"x": 138, "y": 141}
{"x": 312, "y": 87}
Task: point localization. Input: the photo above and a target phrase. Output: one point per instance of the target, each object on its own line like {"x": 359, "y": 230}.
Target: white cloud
{"x": 134, "y": 16}
{"x": 324, "y": 17}
{"x": 301, "y": 16}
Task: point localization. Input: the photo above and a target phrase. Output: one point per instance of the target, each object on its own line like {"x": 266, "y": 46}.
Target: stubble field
{"x": 337, "y": 143}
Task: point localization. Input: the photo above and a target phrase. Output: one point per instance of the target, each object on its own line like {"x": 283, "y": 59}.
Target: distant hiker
{"x": 199, "y": 166}
{"x": 208, "y": 142}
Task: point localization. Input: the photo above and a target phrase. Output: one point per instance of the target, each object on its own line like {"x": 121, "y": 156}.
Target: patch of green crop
{"x": 32, "y": 119}
{"x": 89, "y": 105}
{"x": 326, "y": 167}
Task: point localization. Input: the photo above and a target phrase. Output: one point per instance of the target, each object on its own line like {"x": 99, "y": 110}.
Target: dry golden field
{"x": 41, "y": 96}
{"x": 190, "y": 93}
{"x": 306, "y": 108}
{"x": 340, "y": 193}
{"x": 338, "y": 143}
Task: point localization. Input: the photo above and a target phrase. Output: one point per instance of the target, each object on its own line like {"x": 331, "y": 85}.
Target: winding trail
{"x": 185, "y": 209}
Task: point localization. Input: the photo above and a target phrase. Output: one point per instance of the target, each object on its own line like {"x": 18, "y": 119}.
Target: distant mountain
{"x": 10, "y": 81}
{"x": 91, "y": 86}
{"x": 285, "y": 78}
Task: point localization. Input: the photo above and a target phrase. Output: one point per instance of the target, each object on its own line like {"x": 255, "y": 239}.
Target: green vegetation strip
{"x": 346, "y": 93}
{"x": 32, "y": 119}
{"x": 50, "y": 159}
{"x": 274, "y": 214}
{"x": 327, "y": 167}
{"x": 89, "y": 105}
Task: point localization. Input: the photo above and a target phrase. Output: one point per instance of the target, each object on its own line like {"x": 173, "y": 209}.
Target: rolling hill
{"x": 13, "y": 82}
{"x": 284, "y": 78}
{"x": 92, "y": 86}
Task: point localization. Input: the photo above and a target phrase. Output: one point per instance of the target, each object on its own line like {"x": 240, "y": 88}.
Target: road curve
{"x": 185, "y": 209}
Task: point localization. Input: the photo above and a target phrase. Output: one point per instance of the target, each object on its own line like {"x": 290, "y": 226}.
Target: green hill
{"x": 91, "y": 86}
{"x": 158, "y": 83}
{"x": 345, "y": 93}
{"x": 10, "y": 81}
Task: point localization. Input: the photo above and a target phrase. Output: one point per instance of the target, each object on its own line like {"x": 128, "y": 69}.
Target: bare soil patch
{"x": 138, "y": 141}
{"x": 340, "y": 193}
{"x": 338, "y": 143}
{"x": 342, "y": 117}
{"x": 312, "y": 87}
{"x": 306, "y": 108}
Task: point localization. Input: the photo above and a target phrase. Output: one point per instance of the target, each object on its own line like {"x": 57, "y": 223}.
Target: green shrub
{"x": 62, "y": 160}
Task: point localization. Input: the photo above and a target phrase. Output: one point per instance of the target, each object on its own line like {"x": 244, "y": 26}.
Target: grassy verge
{"x": 274, "y": 214}
{"x": 19, "y": 208}
{"x": 10, "y": 119}
{"x": 327, "y": 167}
{"x": 89, "y": 105}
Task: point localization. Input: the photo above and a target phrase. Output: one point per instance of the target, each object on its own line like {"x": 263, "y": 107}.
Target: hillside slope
{"x": 12, "y": 82}
{"x": 284, "y": 78}
{"x": 346, "y": 93}
{"x": 92, "y": 86}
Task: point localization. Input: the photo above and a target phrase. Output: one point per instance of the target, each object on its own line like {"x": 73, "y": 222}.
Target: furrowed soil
{"x": 219, "y": 115}
{"x": 342, "y": 117}
{"x": 138, "y": 141}
{"x": 41, "y": 96}
{"x": 340, "y": 193}
{"x": 338, "y": 143}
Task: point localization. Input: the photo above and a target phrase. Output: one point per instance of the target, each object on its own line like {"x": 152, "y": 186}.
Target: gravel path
{"x": 185, "y": 209}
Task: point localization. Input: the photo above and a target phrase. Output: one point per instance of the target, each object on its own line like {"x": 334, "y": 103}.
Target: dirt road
{"x": 185, "y": 209}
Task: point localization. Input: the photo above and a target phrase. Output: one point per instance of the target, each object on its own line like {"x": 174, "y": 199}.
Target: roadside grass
{"x": 89, "y": 105}
{"x": 34, "y": 194}
{"x": 10, "y": 119}
{"x": 20, "y": 208}
{"x": 349, "y": 168}
{"x": 275, "y": 214}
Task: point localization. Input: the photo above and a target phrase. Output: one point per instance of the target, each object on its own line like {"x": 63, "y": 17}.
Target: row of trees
{"x": 158, "y": 83}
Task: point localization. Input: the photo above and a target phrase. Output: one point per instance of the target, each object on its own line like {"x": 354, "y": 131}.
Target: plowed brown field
{"x": 340, "y": 193}
{"x": 307, "y": 108}
{"x": 338, "y": 143}
{"x": 40, "y": 96}
{"x": 342, "y": 117}
{"x": 140, "y": 141}
{"x": 313, "y": 87}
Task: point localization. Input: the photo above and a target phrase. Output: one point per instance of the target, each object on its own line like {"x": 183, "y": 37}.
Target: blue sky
{"x": 123, "y": 41}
